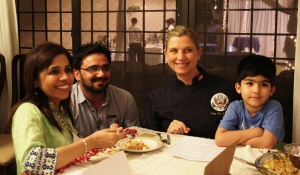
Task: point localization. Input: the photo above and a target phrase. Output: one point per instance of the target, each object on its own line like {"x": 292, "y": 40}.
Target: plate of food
{"x": 277, "y": 162}
{"x": 139, "y": 144}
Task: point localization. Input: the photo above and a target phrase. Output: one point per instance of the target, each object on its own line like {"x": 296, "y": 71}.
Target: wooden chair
{"x": 7, "y": 158}
{"x": 2, "y": 73}
{"x": 18, "y": 91}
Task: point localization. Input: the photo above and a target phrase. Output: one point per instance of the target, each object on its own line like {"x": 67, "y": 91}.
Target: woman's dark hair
{"x": 88, "y": 49}
{"x": 38, "y": 59}
{"x": 254, "y": 65}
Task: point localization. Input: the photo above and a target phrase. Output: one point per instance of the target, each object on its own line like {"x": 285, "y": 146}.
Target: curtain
{"x": 296, "y": 102}
{"x": 9, "y": 47}
{"x": 291, "y": 27}
{"x": 239, "y": 22}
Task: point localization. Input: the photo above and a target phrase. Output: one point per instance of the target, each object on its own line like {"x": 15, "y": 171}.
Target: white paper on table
{"x": 114, "y": 165}
{"x": 196, "y": 149}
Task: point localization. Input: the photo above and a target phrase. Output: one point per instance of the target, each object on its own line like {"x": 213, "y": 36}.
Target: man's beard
{"x": 98, "y": 89}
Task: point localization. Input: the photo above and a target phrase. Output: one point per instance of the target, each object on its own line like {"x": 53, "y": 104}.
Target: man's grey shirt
{"x": 119, "y": 107}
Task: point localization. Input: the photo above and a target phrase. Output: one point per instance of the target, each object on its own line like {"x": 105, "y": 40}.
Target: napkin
{"x": 221, "y": 164}
{"x": 195, "y": 149}
{"x": 114, "y": 165}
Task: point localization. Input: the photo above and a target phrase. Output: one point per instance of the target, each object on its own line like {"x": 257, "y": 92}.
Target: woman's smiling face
{"x": 56, "y": 80}
{"x": 182, "y": 56}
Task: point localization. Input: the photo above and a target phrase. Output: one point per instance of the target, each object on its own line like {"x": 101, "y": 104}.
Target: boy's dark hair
{"x": 88, "y": 49}
{"x": 255, "y": 65}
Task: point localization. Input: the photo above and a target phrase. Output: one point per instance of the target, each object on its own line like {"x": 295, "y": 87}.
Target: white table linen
{"x": 154, "y": 59}
{"x": 160, "y": 162}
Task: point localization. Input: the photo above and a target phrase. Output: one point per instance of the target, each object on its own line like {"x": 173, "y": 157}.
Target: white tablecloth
{"x": 159, "y": 162}
{"x": 153, "y": 59}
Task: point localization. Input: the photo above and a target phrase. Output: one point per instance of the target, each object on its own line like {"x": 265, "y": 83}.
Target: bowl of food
{"x": 275, "y": 163}
{"x": 293, "y": 152}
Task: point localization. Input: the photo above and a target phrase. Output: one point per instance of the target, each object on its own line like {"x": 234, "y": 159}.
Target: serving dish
{"x": 293, "y": 151}
{"x": 261, "y": 159}
{"x": 280, "y": 165}
{"x": 153, "y": 144}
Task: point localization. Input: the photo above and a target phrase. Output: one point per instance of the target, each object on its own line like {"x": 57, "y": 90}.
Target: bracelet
{"x": 85, "y": 144}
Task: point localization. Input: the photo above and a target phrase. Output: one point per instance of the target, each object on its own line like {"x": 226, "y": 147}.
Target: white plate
{"x": 153, "y": 143}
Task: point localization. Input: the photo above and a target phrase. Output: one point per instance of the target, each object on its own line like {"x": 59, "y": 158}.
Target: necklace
{"x": 61, "y": 121}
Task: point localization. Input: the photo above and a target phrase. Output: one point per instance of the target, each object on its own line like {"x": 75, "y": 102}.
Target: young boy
{"x": 253, "y": 121}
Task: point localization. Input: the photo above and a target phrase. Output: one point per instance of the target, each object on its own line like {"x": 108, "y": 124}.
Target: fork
{"x": 163, "y": 140}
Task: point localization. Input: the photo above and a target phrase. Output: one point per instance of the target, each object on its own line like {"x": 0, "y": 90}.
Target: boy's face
{"x": 255, "y": 92}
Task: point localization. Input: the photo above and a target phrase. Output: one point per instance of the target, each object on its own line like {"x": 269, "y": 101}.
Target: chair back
{"x": 6, "y": 144}
{"x": 2, "y": 72}
{"x": 284, "y": 83}
{"x": 17, "y": 71}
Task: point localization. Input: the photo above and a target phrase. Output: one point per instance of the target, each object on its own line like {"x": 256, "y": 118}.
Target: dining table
{"x": 242, "y": 42}
{"x": 154, "y": 54}
{"x": 161, "y": 162}
{"x": 209, "y": 47}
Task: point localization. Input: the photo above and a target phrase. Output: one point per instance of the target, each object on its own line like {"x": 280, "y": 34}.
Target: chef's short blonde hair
{"x": 181, "y": 30}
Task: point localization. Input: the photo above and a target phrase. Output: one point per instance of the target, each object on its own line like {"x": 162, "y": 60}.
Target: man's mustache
{"x": 99, "y": 79}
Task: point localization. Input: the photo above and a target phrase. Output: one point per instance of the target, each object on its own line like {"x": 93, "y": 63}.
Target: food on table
{"x": 147, "y": 135}
{"x": 281, "y": 164}
{"x": 134, "y": 144}
{"x": 132, "y": 131}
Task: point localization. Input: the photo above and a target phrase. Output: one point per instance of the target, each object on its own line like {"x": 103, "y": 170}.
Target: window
{"x": 228, "y": 30}
{"x": 42, "y": 20}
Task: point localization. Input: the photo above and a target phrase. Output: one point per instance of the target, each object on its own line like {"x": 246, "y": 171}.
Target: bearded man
{"x": 96, "y": 104}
